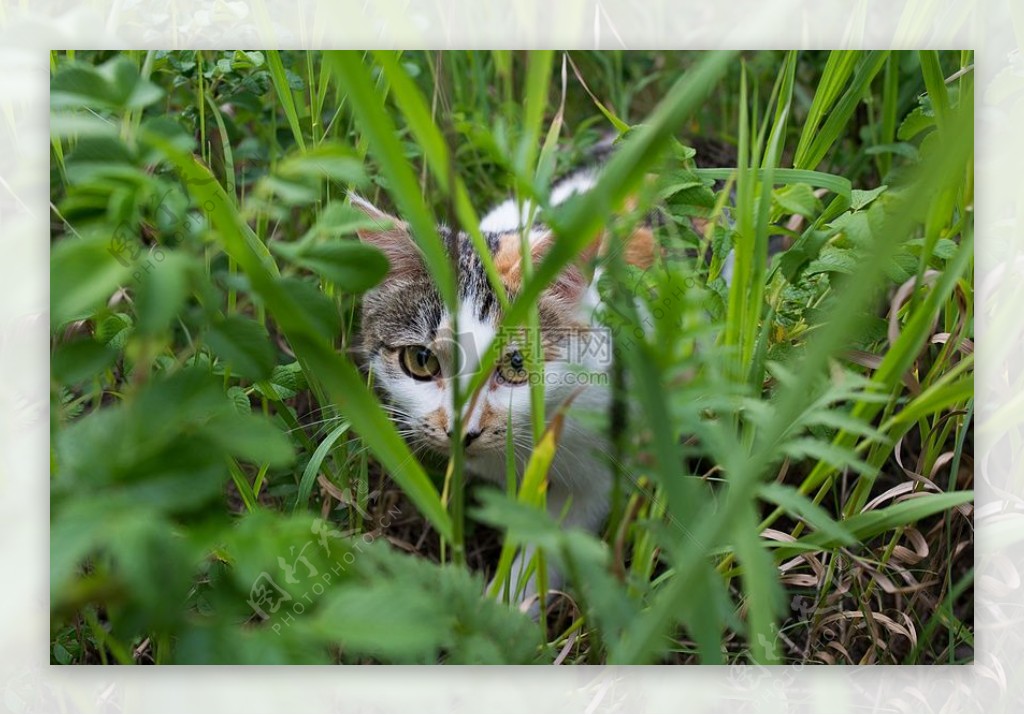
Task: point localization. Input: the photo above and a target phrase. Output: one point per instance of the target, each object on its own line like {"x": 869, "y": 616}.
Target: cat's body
{"x": 410, "y": 342}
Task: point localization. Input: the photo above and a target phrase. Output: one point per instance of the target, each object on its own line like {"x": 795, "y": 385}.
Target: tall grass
{"x": 793, "y": 453}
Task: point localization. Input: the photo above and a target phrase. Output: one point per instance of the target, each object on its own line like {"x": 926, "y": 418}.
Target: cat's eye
{"x": 419, "y": 362}
{"x": 512, "y": 369}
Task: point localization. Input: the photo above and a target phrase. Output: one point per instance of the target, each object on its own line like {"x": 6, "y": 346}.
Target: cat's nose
{"x": 470, "y": 436}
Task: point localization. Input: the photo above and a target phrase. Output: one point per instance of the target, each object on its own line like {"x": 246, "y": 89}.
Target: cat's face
{"x": 411, "y": 345}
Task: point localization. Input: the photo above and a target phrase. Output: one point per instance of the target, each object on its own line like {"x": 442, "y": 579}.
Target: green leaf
{"x": 114, "y": 85}
{"x": 65, "y": 125}
{"x": 285, "y": 381}
{"x": 838, "y": 68}
{"x": 61, "y": 654}
{"x": 382, "y": 135}
{"x": 900, "y": 148}
{"x": 79, "y": 360}
{"x": 914, "y": 123}
{"x": 83, "y": 275}
{"x": 244, "y": 345}
{"x": 416, "y": 625}
{"x": 318, "y": 313}
{"x": 798, "y": 199}
{"x": 337, "y": 220}
{"x": 804, "y": 447}
{"x": 251, "y": 438}
{"x": 834, "y": 260}
{"x": 352, "y": 266}
{"x": 162, "y": 292}
{"x": 815, "y": 143}
{"x": 764, "y": 594}
{"x": 867, "y": 525}
{"x": 332, "y": 161}
{"x": 170, "y": 130}
{"x": 934, "y": 81}
{"x": 838, "y": 185}
{"x": 240, "y": 400}
{"x": 860, "y": 199}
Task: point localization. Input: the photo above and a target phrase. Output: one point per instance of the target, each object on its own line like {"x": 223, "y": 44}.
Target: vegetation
{"x": 792, "y": 487}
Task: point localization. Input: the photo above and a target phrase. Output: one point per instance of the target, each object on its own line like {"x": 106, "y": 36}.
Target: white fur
{"x": 505, "y": 217}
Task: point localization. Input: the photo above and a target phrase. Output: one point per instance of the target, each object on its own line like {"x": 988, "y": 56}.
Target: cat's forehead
{"x": 411, "y": 311}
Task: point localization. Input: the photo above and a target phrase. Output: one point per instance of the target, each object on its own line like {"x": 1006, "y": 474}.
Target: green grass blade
{"x": 538, "y": 79}
{"x": 800, "y": 507}
{"x": 312, "y": 469}
{"x": 764, "y": 594}
{"x": 242, "y": 485}
{"x": 935, "y": 83}
{"x": 867, "y": 525}
{"x": 285, "y": 96}
{"x": 838, "y": 185}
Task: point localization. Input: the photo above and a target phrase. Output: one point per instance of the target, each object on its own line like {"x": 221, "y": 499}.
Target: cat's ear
{"x": 390, "y": 235}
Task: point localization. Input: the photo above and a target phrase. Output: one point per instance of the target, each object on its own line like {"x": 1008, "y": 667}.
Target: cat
{"x": 409, "y": 345}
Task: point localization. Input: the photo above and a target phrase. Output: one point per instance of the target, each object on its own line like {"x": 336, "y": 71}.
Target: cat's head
{"x": 410, "y": 345}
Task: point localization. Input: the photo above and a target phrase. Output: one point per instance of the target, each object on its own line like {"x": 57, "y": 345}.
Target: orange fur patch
{"x": 490, "y": 418}
{"x": 439, "y": 419}
{"x": 640, "y": 248}
{"x": 507, "y": 260}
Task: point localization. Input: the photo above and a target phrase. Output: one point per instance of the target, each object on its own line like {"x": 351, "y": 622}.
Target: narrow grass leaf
{"x": 284, "y": 95}
{"x": 309, "y": 474}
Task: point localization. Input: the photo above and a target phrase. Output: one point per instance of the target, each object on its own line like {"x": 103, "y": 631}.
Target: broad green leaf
{"x": 352, "y": 266}
{"x": 79, "y": 360}
{"x": 861, "y": 199}
{"x": 914, "y": 123}
{"x": 115, "y": 85}
{"x": 162, "y": 292}
{"x": 83, "y": 276}
{"x": 327, "y": 161}
{"x": 834, "y": 260}
{"x": 798, "y": 199}
{"x": 317, "y": 313}
{"x": 244, "y": 345}
{"x": 251, "y": 438}
{"x": 416, "y": 627}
